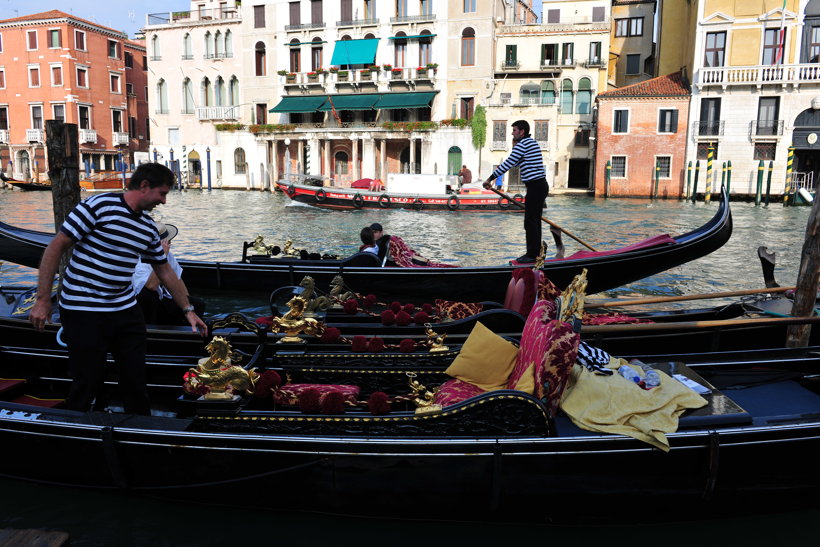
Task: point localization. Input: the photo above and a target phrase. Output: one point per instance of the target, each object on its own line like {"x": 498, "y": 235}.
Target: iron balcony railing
{"x": 766, "y": 128}
{"x": 305, "y": 26}
{"x": 413, "y": 18}
{"x": 357, "y": 23}
{"x": 710, "y": 128}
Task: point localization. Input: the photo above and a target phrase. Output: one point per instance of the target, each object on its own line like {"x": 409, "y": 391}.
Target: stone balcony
{"x": 193, "y": 17}
{"x": 758, "y": 75}
{"x": 4, "y": 136}
{"x": 88, "y": 136}
{"x": 35, "y": 135}
{"x": 217, "y": 113}
{"x": 120, "y": 138}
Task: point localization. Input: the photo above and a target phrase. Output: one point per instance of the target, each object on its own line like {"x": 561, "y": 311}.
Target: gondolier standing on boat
{"x": 527, "y": 155}
{"x": 110, "y": 232}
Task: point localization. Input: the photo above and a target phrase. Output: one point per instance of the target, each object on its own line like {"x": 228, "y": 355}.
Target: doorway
{"x": 578, "y": 176}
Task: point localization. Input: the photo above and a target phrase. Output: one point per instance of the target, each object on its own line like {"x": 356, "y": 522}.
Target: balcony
{"x": 357, "y": 23}
{"x": 704, "y": 130}
{"x": 550, "y": 65}
{"x": 35, "y": 135}
{"x": 4, "y": 136}
{"x": 595, "y": 62}
{"x": 510, "y": 64}
{"x": 88, "y": 136}
{"x": 304, "y": 26}
{"x": 217, "y": 113}
{"x": 580, "y": 23}
{"x": 412, "y": 19}
{"x": 201, "y": 16}
{"x": 763, "y": 129}
{"x": 759, "y": 75}
{"x": 120, "y": 138}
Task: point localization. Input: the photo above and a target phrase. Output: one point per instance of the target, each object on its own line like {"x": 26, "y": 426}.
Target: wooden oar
{"x": 656, "y": 300}
{"x": 545, "y": 219}
{"x": 638, "y": 328}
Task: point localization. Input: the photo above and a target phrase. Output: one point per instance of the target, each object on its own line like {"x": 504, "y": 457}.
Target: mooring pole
{"x": 688, "y": 180}
{"x": 760, "y": 167}
{"x": 788, "y": 189}
{"x": 797, "y": 336}
{"x": 769, "y": 182}
{"x": 607, "y": 176}
{"x": 657, "y": 177}
{"x": 710, "y": 156}
{"x": 729, "y": 178}
{"x": 63, "y": 146}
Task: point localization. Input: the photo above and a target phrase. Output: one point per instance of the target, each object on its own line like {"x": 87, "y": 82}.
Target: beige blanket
{"x": 613, "y": 404}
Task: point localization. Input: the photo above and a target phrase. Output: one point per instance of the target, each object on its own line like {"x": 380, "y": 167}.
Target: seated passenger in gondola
{"x": 368, "y": 241}
{"x": 399, "y": 253}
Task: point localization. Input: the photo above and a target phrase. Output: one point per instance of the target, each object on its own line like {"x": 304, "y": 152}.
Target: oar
{"x": 545, "y": 219}
{"x": 685, "y": 325}
{"x": 656, "y": 300}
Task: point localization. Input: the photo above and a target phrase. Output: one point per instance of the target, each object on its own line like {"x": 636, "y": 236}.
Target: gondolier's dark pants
{"x": 90, "y": 336}
{"x": 537, "y": 191}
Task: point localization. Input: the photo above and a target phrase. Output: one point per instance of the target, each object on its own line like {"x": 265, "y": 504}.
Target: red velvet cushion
{"x": 533, "y": 347}
{"x": 9, "y": 383}
{"x": 547, "y": 289}
{"x": 455, "y": 391}
{"x": 560, "y": 354}
{"x": 289, "y": 394}
{"x": 446, "y": 309}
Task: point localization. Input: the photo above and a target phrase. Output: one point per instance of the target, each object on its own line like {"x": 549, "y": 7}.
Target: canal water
{"x": 213, "y": 227}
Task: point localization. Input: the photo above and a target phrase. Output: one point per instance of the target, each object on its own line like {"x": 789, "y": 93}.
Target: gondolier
{"x": 527, "y": 155}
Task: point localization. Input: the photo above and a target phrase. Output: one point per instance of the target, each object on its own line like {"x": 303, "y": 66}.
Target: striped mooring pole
{"x": 769, "y": 182}
{"x": 607, "y": 177}
{"x": 710, "y": 156}
{"x": 695, "y": 186}
{"x": 688, "y": 179}
{"x": 789, "y": 165}
{"x": 761, "y": 166}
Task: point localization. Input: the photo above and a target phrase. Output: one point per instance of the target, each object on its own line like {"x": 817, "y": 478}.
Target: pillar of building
{"x": 273, "y": 162}
{"x": 326, "y": 170}
{"x": 300, "y": 158}
{"x": 369, "y": 169}
{"x": 354, "y": 142}
{"x": 412, "y": 154}
{"x": 383, "y": 160}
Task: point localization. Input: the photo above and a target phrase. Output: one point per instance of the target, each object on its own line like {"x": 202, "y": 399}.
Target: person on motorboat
{"x": 368, "y": 241}
{"x": 399, "y": 253}
{"x": 109, "y": 233}
{"x": 157, "y": 304}
{"x": 526, "y": 154}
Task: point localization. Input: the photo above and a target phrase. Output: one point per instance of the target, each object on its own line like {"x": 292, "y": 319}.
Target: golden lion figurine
{"x": 216, "y": 377}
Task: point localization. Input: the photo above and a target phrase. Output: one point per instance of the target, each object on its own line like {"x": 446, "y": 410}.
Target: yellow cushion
{"x": 485, "y": 360}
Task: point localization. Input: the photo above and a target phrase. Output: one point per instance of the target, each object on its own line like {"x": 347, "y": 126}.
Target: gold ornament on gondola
{"x": 571, "y": 301}
{"x": 294, "y": 323}
{"x": 435, "y": 340}
{"x": 422, "y": 397}
{"x": 216, "y": 376}
{"x": 259, "y": 248}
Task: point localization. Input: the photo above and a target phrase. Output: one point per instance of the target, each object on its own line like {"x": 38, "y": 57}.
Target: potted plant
{"x": 365, "y": 74}
{"x": 282, "y": 72}
{"x": 334, "y": 69}
{"x": 387, "y": 67}
{"x": 421, "y": 71}
{"x": 342, "y": 75}
{"x": 312, "y": 76}
{"x": 290, "y": 77}
{"x": 432, "y": 66}
{"x": 396, "y": 72}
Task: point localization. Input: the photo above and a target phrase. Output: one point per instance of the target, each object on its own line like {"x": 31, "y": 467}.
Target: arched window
{"x": 547, "y": 92}
{"x": 584, "y": 102}
{"x": 340, "y": 163}
{"x": 228, "y": 44}
{"x": 400, "y": 50}
{"x": 260, "y": 62}
{"x": 468, "y": 47}
{"x": 529, "y": 94}
{"x": 316, "y": 54}
{"x": 453, "y": 160}
{"x": 187, "y": 96}
{"x": 369, "y": 36}
{"x": 209, "y": 45}
{"x": 206, "y": 93}
{"x": 566, "y": 96}
{"x": 425, "y": 48}
{"x": 187, "y": 47}
{"x": 295, "y": 56}
{"x": 346, "y": 37}
{"x": 233, "y": 91}
{"x": 219, "y": 92}
{"x": 162, "y": 97}
{"x": 155, "y": 49}
{"x": 239, "y": 165}
{"x": 219, "y": 45}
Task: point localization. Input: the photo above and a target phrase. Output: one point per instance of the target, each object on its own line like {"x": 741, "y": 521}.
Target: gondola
{"x": 363, "y": 272}
{"x": 30, "y": 186}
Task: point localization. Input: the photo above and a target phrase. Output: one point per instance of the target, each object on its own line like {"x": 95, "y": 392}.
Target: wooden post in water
{"x": 63, "y": 144}
{"x": 797, "y": 336}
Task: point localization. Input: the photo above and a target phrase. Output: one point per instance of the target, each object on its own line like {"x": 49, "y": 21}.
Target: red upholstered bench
{"x": 36, "y": 401}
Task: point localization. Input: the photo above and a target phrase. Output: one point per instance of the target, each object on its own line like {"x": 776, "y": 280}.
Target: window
{"x": 541, "y": 130}
{"x": 219, "y": 45}
{"x": 340, "y": 166}
{"x": 370, "y": 9}
{"x": 768, "y": 111}
{"x": 115, "y": 83}
{"x": 426, "y": 7}
{"x": 113, "y": 49}
{"x": 219, "y": 92}
{"x": 814, "y": 45}
{"x": 187, "y": 47}
{"x": 772, "y": 52}
{"x": 262, "y": 113}
{"x": 633, "y": 64}
{"x": 209, "y": 45}
{"x": 316, "y": 12}
{"x": 454, "y": 160}
{"x": 36, "y": 116}
{"x": 467, "y": 107}
{"x": 400, "y": 51}
{"x": 295, "y": 14}
{"x": 618, "y": 164}
{"x": 511, "y": 55}
{"x": 547, "y": 92}
{"x": 295, "y": 55}
{"x": 228, "y": 44}
{"x": 598, "y": 14}
{"x": 129, "y": 59}
{"x": 709, "y": 117}
{"x": 553, "y": 16}
{"x": 584, "y": 103}
{"x": 765, "y": 151}
{"x": 56, "y": 75}
{"x": 582, "y": 137}
{"x": 84, "y": 116}
{"x": 316, "y": 54}
{"x": 425, "y": 49}
{"x": 401, "y": 8}
{"x": 260, "y": 59}
{"x": 55, "y": 39}
{"x": 116, "y": 121}
{"x": 259, "y": 16}
{"x": 233, "y": 91}
{"x": 58, "y": 112}
{"x": 499, "y": 132}
{"x": 529, "y": 94}
{"x": 469, "y": 6}
{"x": 1, "y": 42}
{"x": 129, "y": 89}
{"x": 468, "y": 47}
{"x": 173, "y": 135}
{"x": 549, "y": 54}
{"x": 566, "y": 96}
{"x": 2, "y": 78}
{"x": 620, "y": 121}
{"x": 34, "y": 76}
{"x": 82, "y": 76}
{"x": 31, "y": 39}
{"x": 4, "y": 117}
{"x": 704, "y": 148}
{"x": 667, "y": 120}
{"x": 715, "y": 51}
{"x": 347, "y": 10}
{"x": 595, "y": 53}
{"x": 567, "y": 53}
{"x": 663, "y": 166}
{"x": 187, "y": 96}
{"x": 162, "y": 97}
{"x": 79, "y": 40}
{"x": 632, "y": 26}
{"x": 132, "y": 127}
{"x": 156, "y": 51}
{"x": 240, "y": 167}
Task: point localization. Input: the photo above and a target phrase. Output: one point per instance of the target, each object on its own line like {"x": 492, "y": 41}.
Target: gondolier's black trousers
{"x": 537, "y": 191}
{"x": 90, "y": 336}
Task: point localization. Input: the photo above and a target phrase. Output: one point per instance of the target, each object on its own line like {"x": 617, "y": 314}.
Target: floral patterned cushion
{"x": 546, "y": 288}
{"x": 561, "y": 352}
{"x": 454, "y": 391}
{"x": 446, "y": 309}
{"x": 289, "y": 394}
{"x": 533, "y": 347}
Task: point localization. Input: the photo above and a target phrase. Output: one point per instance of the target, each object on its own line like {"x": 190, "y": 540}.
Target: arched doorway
{"x": 806, "y": 142}
{"x": 453, "y": 160}
{"x": 194, "y": 169}
{"x": 23, "y": 164}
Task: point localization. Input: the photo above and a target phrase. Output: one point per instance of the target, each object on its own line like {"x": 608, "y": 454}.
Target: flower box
{"x": 342, "y": 76}
{"x": 396, "y": 73}
{"x": 365, "y": 75}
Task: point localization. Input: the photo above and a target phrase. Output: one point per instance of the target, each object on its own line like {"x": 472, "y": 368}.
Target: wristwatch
{"x": 187, "y": 309}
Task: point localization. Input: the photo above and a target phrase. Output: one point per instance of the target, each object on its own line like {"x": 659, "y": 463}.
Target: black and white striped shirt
{"x": 527, "y": 155}
{"x": 109, "y": 240}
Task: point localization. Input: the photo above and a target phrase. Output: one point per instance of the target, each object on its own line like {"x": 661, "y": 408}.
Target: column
{"x": 327, "y": 170}
{"x": 383, "y": 161}
{"x": 412, "y": 154}
{"x": 274, "y": 164}
{"x": 369, "y": 169}
{"x": 300, "y": 158}
{"x": 354, "y": 141}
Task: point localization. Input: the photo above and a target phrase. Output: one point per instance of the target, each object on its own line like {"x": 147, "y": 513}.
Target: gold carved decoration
{"x": 294, "y": 323}
{"x": 219, "y": 375}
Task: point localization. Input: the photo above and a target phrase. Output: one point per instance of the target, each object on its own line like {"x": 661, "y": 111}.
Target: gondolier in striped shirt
{"x": 110, "y": 233}
{"x": 527, "y": 155}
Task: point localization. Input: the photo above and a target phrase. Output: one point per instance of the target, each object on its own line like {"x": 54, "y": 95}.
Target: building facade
{"x": 57, "y": 66}
{"x": 632, "y": 52}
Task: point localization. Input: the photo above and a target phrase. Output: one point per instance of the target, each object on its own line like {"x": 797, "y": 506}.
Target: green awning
{"x": 354, "y": 101}
{"x": 309, "y": 103}
{"x": 392, "y": 101}
{"x": 354, "y": 52}
{"x": 411, "y": 37}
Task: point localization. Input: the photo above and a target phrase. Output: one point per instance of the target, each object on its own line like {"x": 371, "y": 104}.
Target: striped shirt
{"x": 109, "y": 240}
{"x": 527, "y": 155}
